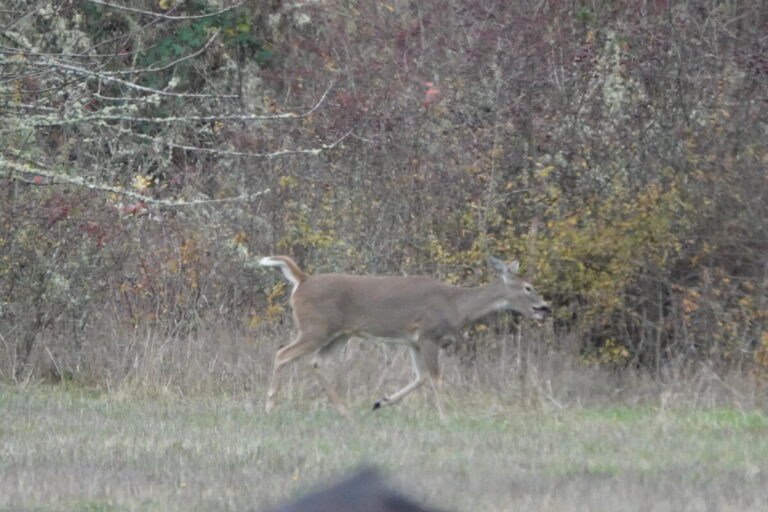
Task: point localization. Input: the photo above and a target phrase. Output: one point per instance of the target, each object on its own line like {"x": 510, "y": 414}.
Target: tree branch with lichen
{"x": 19, "y": 170}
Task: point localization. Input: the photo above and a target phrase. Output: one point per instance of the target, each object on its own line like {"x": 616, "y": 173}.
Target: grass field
{"x": 70, "y": 448}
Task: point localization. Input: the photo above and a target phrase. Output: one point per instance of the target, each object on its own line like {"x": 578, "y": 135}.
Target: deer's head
{"x": 519, "y": 294}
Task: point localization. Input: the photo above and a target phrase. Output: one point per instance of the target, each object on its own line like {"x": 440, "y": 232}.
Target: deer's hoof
{"x": 380, "y": 403}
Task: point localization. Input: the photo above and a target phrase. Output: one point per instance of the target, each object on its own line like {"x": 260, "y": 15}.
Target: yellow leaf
{"x": 287, "y": 181}
{"x": 546, "y": 171}
{"x": 255, "y": 320}
{"x": 141, "y": 182}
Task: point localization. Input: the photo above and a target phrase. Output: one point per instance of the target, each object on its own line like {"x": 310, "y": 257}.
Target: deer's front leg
{"x": 421, "y": 376}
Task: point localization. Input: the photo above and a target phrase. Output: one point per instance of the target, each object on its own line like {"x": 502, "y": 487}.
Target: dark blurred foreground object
{"x": 365, "y": 491}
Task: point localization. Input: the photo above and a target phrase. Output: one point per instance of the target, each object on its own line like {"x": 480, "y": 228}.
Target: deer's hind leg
{"x": 430, "y": 353}
{"x": 333, "y": 347}
{"x": 305, "y": 343}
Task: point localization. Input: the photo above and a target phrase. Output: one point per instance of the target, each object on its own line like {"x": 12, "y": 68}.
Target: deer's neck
{"x": 475, "y": 303}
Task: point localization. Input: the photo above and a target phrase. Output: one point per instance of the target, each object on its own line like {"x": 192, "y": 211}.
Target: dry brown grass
{"x": 177, "y": 424}
{"x": 531, "y": 368}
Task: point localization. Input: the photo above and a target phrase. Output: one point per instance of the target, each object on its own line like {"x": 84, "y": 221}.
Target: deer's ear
{"x": 507, "y": 271}
{"x": 498, "y": 265}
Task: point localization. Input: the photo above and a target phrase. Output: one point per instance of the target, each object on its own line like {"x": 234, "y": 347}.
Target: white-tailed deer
{"x": 420, "y": 312}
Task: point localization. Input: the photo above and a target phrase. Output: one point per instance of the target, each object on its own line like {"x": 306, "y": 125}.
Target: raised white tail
{"x": 291, "y": 271}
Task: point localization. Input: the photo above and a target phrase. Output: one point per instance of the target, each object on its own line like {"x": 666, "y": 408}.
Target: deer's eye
{"x": 528, "y": 288}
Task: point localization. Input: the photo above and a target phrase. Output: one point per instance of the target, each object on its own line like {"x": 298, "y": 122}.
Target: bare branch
{"x": 164, "y": 120}
{"x": 59, "y": 177}
{"x": 230, "y": 153}
{"x": 166, "y": 16}
{"x": 275, "y": 154}
{"x": 47, "y": 121}
{"x": 26, "y": 106}
{"x": 170, "y": 64}
{"x": 49, "y": 63}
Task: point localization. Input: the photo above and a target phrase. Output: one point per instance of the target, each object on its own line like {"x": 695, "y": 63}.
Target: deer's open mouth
{"x": 541, "y": 312}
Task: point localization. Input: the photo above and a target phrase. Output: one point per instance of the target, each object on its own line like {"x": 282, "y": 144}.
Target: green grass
{"x": 65, "y": 448}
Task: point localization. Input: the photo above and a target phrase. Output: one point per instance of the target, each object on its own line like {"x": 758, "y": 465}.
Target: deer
{"x": 422, "y": 313}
